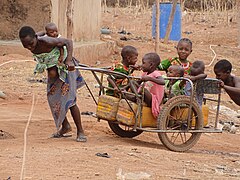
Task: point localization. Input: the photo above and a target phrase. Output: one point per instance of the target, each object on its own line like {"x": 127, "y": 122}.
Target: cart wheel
{"x": 123, "y": 131}
{"x": 173, "y": 116}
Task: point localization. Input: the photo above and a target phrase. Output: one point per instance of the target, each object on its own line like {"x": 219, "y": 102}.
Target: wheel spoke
{"x": 182, "y": 137}
{"x": 175, "y": 137}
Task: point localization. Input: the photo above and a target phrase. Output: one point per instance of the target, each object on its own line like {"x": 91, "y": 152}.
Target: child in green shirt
{"x": 184, "y": 49}
{"x": 174, "y": 87}
{"x": 126, "y": 66}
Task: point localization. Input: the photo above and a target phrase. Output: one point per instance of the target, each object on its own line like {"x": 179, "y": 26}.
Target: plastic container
{"x": 126, "y": 116}
{"x": 165, "y": 11}
{"x": 107, "y": 107}
{"x": 183, "y": 115}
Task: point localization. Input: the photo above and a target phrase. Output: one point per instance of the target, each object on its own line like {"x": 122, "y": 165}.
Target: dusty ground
{"x": 215, "y": 156}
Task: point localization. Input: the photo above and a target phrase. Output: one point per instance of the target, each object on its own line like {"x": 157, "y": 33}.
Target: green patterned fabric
{"x": 165, "y": 64}
{"x": 48, "y": 60}
{"x": 175, "y": 88}
{"x": 120, "y": 82}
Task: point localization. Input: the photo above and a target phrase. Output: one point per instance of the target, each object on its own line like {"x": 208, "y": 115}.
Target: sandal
{"x": 103, "y": 155}
{"x": 81, "y": 138}
{"x": 58, "y": 135}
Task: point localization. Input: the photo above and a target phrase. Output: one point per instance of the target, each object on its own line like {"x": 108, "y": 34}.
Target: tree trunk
{"x": 69, "y": 15}
{"x": 170, "y": 21}
{"x": 238, "y": 21}
{"x": 157, "y": 27}
{"x": 104, "y": 6}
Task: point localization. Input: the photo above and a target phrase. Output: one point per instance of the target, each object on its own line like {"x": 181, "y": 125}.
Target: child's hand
{"x": 192, "y": 78}
{"x": 116, "y": 90}
{"x": 166, "y": 92}
{"x": 60, "y": 59}
{"x": 135, "y": 67}
{"x": 221, "y": 84}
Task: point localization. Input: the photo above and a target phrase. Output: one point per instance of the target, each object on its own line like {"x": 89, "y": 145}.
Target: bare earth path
{"x": 215, "y": 156}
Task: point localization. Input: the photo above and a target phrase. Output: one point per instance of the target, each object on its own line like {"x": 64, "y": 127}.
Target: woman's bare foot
{"x": 62, "y": 132}
{"x": 81, "y": 137}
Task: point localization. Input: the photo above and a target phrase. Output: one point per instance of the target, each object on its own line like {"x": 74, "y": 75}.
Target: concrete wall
{"x": 86, "y": 18}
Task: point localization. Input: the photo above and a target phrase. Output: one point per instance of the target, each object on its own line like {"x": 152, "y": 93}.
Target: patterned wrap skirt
{"x": 62, "y": 95}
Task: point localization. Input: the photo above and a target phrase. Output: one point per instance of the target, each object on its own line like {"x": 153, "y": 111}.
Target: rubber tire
{"x": 162, "y": 121}
{"x": 121, "y": 132}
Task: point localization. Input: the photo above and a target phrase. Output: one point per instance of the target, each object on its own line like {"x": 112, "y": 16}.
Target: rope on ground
{"x": 215, "y": 55}
{"x": 25, "y": 138}
{"x": 16, "y": 61}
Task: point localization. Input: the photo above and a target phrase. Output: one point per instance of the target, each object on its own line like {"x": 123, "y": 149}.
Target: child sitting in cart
{"x": 184, "y": 49}
{"x": 126, "y": 66}
{"x": 174, "y": 87}
{"x": 153, "y": 82}
{"x": 196, "y": 74}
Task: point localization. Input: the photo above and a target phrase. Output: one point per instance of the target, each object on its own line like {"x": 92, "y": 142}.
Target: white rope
{"x": 215, "y": 55}
{"x": 25, "y": 139}
{"x": 16, "y": 61}
{"x": 28, "y": 122}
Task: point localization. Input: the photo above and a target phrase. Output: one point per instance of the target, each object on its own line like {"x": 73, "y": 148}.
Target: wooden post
{"x": 104, "y": 6}
{"x": 170, "y": 21}
{"x": 69, "y": 15}
{"x": 157, "y": 27}
{"x": 238, "y": 21}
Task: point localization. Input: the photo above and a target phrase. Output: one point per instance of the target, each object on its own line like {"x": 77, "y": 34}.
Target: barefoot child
{"x": 126, "y": 66}
{"x": 230, "y": 83}
{"x": 184, "y": 49}
{"x": 61, "y": 89}
{"x": 154, "y": 82}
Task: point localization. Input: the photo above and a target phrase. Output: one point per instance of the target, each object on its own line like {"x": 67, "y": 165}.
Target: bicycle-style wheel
{"x": 123, "y": 131}
{"x": 173, "y": 116}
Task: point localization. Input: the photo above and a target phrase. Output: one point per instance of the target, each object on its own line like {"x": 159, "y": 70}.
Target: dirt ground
{"x": 215, "y": 156}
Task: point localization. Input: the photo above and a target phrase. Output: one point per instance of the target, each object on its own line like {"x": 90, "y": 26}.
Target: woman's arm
{"x": 41, "y": 33}
{"x": 60, "y": 42}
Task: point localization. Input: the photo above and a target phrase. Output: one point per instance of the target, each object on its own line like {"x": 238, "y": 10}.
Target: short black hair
{"x": 50, "y": 25}
{"x": 153, "y": 57}
{"x": 185, "y": 40}
{"x": 223, "y": 65}
{"x": 198, "y": 64}
{"x": 26, "y": 31}
{"x": 127, "y": 51}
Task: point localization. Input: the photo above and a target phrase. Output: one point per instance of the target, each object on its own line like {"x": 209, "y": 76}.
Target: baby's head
{"x": 129, "y": 55}
{"x": 150, "y": 62}
{"x": 197, "y": 68}
{"x": 175, "y": 71}
{"x": 51, "y": 30}
{"x": 223, "y": 69}
{"x": 184, "y": 48}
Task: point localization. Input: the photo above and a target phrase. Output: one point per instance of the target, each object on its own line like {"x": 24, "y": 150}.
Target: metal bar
{"x": 218, "y": 109}
{"x": 99, "y": 82}
{"x": 181, "y": 131}
{"x": 190, "y": 107}
{"x": 101, "y": 89}
{"x": 91, "y": 93}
